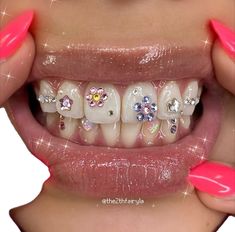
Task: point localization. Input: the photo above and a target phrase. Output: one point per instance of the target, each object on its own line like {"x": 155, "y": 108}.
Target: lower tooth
{"x": 51, "y": 119}
{"x": 129, "y": 133}
{"x": 111, "y": 133}
{"x": 169, "y": 130}
{"x": 69, "y": 127}
{"x": 89, "y": 133}
{"x": 185, "y": 122}
{"x": 149, "y": 131}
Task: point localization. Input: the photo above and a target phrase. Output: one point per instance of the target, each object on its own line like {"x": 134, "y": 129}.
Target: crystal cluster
{"x": 145, "y": 109}
{"x": 96, "y": 97}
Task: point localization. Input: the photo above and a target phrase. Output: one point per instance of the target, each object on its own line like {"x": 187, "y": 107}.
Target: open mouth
{"x": 120, "y": 137}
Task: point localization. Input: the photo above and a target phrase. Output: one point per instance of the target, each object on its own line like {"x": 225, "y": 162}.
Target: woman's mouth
{"x": 120, "y": 138}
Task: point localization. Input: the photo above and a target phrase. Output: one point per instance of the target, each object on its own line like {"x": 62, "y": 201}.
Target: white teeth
{"x": 170, "y": 102}
{"x": 69, "y": 101}
{"x": 185, "y": 122}
{"x": 89, "y": 136}
{"x": 70, "y": 126}
{"x": 149, "y": 131}
{"x": 169, "y": 130}
{"x": 102, "y": 103}
{"x": 46, "y": 97}
{"x": 135, "y": 94}
{"x": 51, "y": 119}
{"x": 129, "y": 133}
{"x": 190, "y": 98}
{"x": 111, "y": 133}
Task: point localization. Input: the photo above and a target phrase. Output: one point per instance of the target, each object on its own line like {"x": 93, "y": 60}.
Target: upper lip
{"x": 123, "y": 65}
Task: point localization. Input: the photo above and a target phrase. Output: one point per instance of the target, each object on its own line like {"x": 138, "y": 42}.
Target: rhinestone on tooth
{"x": 66, "y": 103}
{"x": 96, "y": 97}
{"x": 173, "y": 128}
{"x": 146, "y": 110}
{"x": 173, "y": 106}
{"x": 86, "y": 124}
{"x": 191, "y": 101}
{"x": 46, "y": 99}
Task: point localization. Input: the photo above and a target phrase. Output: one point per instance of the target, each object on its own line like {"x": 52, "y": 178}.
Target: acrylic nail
{"x": 214, "y": 179}
{"x": 226, "y": 36}
{"x": 14, "y": 33}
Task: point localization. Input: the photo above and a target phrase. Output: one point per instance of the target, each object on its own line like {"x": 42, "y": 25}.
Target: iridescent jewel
{"x": 86, "y": 124}
{"x": 145, "y": 109}
{"x": 66, "y": 103}
{"x": 173, "y": 129}
{"x": 96, "y": 97}
{"x": 173, "y": 106}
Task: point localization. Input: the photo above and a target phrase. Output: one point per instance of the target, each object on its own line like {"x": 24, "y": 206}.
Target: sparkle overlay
{"x": 173, "y": 106}
{"x": 145, "y": 109}
{"x": 96, "y": 97}
{"x": 66, "y": 103}
{"x": 46, "y": 99}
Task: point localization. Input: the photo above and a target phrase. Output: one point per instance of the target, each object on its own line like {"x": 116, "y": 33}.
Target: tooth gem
{"x": 173, "y": 128}
{"x": 173, "y": 106}
{"x": 96, "y": 97}
{"x": 191, "y": 101}
{"x": 86, "y": 124}
{"x": 46, "y": 99}
{"x": 66, "y": 103}
{"x": 146, "y": 110}
{"x": 61, "y": 123}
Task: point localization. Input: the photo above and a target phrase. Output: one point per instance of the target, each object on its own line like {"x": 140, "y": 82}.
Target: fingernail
{"x": 12, "y": 36}
{"x": 226, "y": 36}
{"x": 214, "y": 179}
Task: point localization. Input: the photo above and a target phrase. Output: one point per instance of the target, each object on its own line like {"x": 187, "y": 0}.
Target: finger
{"x": 223, "y": 56}
{"x": 215, "y": 183}
{"x": 16, "y": 55}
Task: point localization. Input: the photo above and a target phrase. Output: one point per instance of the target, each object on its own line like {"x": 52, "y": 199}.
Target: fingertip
{"x": 224, "y": 67}
{"x": 15, "y": 70}
{"x": 225, "y": 205}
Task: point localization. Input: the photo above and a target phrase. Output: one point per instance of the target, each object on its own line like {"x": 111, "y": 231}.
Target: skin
{"x": 128, "y": 23}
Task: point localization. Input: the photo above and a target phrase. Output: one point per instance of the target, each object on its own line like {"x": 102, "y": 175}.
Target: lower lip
{"x": 110, "y": 172}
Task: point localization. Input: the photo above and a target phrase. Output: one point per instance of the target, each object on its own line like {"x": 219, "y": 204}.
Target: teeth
{"x": 190, "y": 98}
{"x": 89, "y": 133}
{"x": 102, "y": 103}
{"x": 149, "y": 131}
{"x": 169, "y": 130}
{"x": 51, "y": 119}
{"x": 169, "y": 102}
{"x": 70, "y": 126}
{"x": 46, "y": 97}
{"x": 69, "y": 101}
{"x": 137, "y": 95}
{"x": 185, "y": 122}
{"x": 111, "y": 133}
{"x": 129, "y": 133}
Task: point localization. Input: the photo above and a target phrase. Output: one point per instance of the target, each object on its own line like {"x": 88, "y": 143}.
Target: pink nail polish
{"x": 214, "y": 179}
{"x": 12, "y": 36}
{"x": 226, "y": 36}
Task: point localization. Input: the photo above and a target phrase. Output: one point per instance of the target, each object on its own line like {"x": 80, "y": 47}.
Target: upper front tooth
{"x": 46, "y": 97}
{"x": 142, "y": 96}
{"x": 190, "y": 98}
{"x": 69, "y": 100}
{"x": 170, "y": 103}
{"x": 102, "y": 103}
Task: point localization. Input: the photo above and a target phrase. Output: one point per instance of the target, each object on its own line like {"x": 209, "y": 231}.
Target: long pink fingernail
{"x": 12, "y": 36}
{"x": 213, "y": 178}
{"x": 226, "y": 36}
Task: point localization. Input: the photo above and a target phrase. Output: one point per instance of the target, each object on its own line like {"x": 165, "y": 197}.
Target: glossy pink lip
{"x": 109, "y": 172}
{"x": 120, "y": 65}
